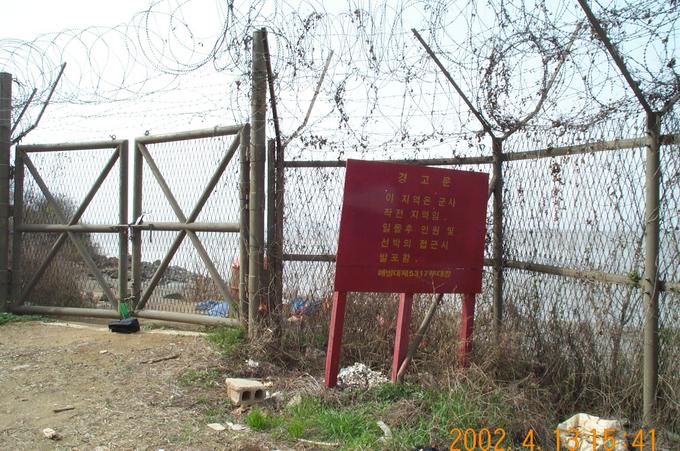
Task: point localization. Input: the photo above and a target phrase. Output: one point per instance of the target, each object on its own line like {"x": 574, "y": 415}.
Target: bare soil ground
{"x": 118, "y": 400}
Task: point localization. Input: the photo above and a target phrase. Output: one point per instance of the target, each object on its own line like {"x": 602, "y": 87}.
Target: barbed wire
{"x": 382, "y": 89}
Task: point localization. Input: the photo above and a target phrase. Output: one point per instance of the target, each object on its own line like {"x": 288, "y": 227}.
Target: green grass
{"x": 415, "y": 415}
{"x": 204, "y": 378}
{"x": 6, "y": 318}
{"x": 218, "y": 411}
{"x": 258, "y": 420}
{"x": 226, "y": 339}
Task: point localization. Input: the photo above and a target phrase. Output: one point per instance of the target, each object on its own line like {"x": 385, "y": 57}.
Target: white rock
{"x": 386, "y": 430}
{"x": 236, "y": 427}
{"x": 584, "y": 425}
{"x": 359, "y": 375}
{"x": 50, "y": 434}
{"x": 216, "y": 427}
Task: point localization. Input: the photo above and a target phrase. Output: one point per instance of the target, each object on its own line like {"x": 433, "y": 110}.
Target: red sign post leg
{"x": 466, "y": 322}
{"x": 403, "y": 332}
{"x": 335, "y": 337}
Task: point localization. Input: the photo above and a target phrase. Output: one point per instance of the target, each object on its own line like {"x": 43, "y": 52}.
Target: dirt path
{"x": 119, "y": 401}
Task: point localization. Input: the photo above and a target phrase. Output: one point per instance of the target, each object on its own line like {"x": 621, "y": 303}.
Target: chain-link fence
{"x": 573, "y": 261}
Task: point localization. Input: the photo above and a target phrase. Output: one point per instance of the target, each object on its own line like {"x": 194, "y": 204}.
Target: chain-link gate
{"x": 191, "y": 184}
{"x": 70, "y": 271}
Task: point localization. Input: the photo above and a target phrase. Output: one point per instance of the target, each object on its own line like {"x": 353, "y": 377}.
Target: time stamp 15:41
{"x": 604, "y": 440}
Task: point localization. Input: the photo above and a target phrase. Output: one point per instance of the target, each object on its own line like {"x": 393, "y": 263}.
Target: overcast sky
{"x": 25, "y": 19}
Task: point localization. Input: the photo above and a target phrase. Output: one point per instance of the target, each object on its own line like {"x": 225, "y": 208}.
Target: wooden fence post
{"x": 5, "y": 145}
{"x": 257, "y": 162}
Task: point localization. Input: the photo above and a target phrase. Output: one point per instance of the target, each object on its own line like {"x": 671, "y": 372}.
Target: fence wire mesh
{"x": 669, "y": 271}
{"x": 67, "y": 281}
{"x": 187, "y": 166}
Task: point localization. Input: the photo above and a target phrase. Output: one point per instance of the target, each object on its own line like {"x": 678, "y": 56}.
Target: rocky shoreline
{"x": 172, "y": 274}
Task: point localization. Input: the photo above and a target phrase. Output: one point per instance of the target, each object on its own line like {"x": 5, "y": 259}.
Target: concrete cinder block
{"x": 243, "y": 392}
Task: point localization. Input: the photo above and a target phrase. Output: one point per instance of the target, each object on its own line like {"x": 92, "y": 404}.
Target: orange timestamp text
{"x": 487, "y": 439}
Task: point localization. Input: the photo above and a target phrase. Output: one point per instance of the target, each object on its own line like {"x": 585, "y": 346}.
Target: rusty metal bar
{"x": 189, "y": 135}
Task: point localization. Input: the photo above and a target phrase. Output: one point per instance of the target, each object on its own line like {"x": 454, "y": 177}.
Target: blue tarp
{"x": 213, "y": 308}
{"x": 301, "y": 306}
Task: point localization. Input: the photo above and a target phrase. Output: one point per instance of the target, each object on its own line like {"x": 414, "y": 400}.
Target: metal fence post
{"x": 243, "y": 225}
{"x": 123, "y": 220}
{"x": 5, "y": 145}
{"x": 271, "y": 225}
{"x": 137, "y": 232}
{"x": 18, "y": 219}
{"x": 497, "y": 240}
{"x": 650, "y": 289}
{"x": 257, "y": 162}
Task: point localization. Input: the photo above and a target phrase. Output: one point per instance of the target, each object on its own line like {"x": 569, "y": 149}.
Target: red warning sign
{"x": 411, "y": 229}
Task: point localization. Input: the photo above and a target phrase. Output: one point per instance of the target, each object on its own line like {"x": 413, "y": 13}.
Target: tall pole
{"x": 123, "y": 245}
{"x": 137, "y": 174}
{"x": 497, "y": 240}
{"x": 244, "y": 236}
{"x": 258, "y": 152}
{"x": 5, "y": 144}
{"x": 650, "y": 289}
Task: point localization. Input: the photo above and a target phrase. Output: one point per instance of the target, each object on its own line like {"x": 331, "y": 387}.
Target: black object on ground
{"x": 125, "y": 326}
